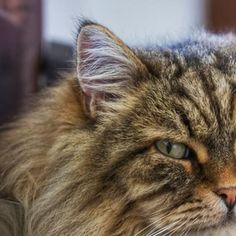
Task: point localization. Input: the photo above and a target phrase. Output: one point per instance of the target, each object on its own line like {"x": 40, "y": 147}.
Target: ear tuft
{"x": 105, "y": 64}
{"x": 102, "y": 62}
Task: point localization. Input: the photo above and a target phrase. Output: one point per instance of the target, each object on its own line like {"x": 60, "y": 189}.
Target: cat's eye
{"x": 174, "y": 150}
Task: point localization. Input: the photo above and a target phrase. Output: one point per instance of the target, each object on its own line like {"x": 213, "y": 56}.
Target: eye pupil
{"x": 168, "y": 147}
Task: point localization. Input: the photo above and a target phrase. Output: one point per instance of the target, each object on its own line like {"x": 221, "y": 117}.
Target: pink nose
{"x": 228, "y": 195}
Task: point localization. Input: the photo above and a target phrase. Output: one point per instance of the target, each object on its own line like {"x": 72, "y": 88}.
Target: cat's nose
{"x": 228, "y": 195}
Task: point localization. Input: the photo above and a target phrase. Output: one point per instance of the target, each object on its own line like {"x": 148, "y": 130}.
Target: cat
{"x": 11, "y": 218}
{"x": 133, "y": 142}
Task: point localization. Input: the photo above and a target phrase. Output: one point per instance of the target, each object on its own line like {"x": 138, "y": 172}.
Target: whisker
{"x": 163, "y": 230}
{"x": 145, "y": 228}
{"x": 151, "y": 224}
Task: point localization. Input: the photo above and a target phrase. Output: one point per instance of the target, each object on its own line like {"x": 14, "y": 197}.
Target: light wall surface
{"x": 135, "y": 21}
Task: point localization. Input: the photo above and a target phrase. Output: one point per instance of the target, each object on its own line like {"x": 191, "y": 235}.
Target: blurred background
{"x": 37, "y": 37}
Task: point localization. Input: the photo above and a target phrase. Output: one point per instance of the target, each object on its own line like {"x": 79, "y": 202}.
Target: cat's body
{"x": 84, "y": 160}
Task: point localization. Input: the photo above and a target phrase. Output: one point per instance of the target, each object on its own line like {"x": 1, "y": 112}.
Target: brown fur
{"x": 84, "y": 169}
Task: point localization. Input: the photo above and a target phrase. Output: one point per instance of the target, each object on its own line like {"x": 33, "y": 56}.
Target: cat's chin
{"x": 218, "y": 231}
{"x": 227, "y": 228}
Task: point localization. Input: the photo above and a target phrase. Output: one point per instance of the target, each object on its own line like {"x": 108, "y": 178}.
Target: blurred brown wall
{"x": 9, "y": 55}
{"x": 221, "y": 15}
{"x": 20, "y": 28}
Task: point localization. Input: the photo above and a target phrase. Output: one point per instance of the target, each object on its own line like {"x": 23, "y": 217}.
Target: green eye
{"x": 175, "y": 150}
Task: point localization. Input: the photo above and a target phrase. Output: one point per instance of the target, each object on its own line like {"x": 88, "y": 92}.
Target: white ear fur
{"x": 105, "y": 66}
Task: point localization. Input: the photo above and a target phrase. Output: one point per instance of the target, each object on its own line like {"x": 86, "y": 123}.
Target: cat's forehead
{"x": 203, "y": 102}
{"x": 201, "y": 50}
{"x": 195, "y": 81}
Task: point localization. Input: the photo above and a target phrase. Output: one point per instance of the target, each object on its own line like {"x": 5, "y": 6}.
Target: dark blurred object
{"x": 9, "y": 68}
{"x": 56, "y": 58}
{"x": 11, "y": 218}
{"x": 221, "y": 15}
{"x": 20, "y": 27}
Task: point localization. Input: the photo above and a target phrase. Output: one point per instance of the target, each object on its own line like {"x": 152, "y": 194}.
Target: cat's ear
{"x": 105, "y": 66}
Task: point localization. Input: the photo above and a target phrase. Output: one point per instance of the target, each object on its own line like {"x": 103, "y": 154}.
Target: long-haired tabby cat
{"x": 135, "y": 142}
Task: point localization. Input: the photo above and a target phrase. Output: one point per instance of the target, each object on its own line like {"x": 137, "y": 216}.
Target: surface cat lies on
{"x": 135, "y": 142}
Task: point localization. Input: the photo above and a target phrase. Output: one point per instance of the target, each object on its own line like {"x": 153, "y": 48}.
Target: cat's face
{"x": 176, "y": 186}
{"x": 165, "y": 135}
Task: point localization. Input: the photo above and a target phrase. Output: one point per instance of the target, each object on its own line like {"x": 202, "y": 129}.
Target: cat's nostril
{"x": 228, "y": 195}
{"x": 224, "y": 196}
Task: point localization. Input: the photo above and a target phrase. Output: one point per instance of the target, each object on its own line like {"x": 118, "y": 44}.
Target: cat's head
{"x": 165, "y": 122}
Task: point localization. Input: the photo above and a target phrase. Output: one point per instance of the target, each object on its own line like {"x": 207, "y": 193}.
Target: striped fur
{"x": 82, "y": 160}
